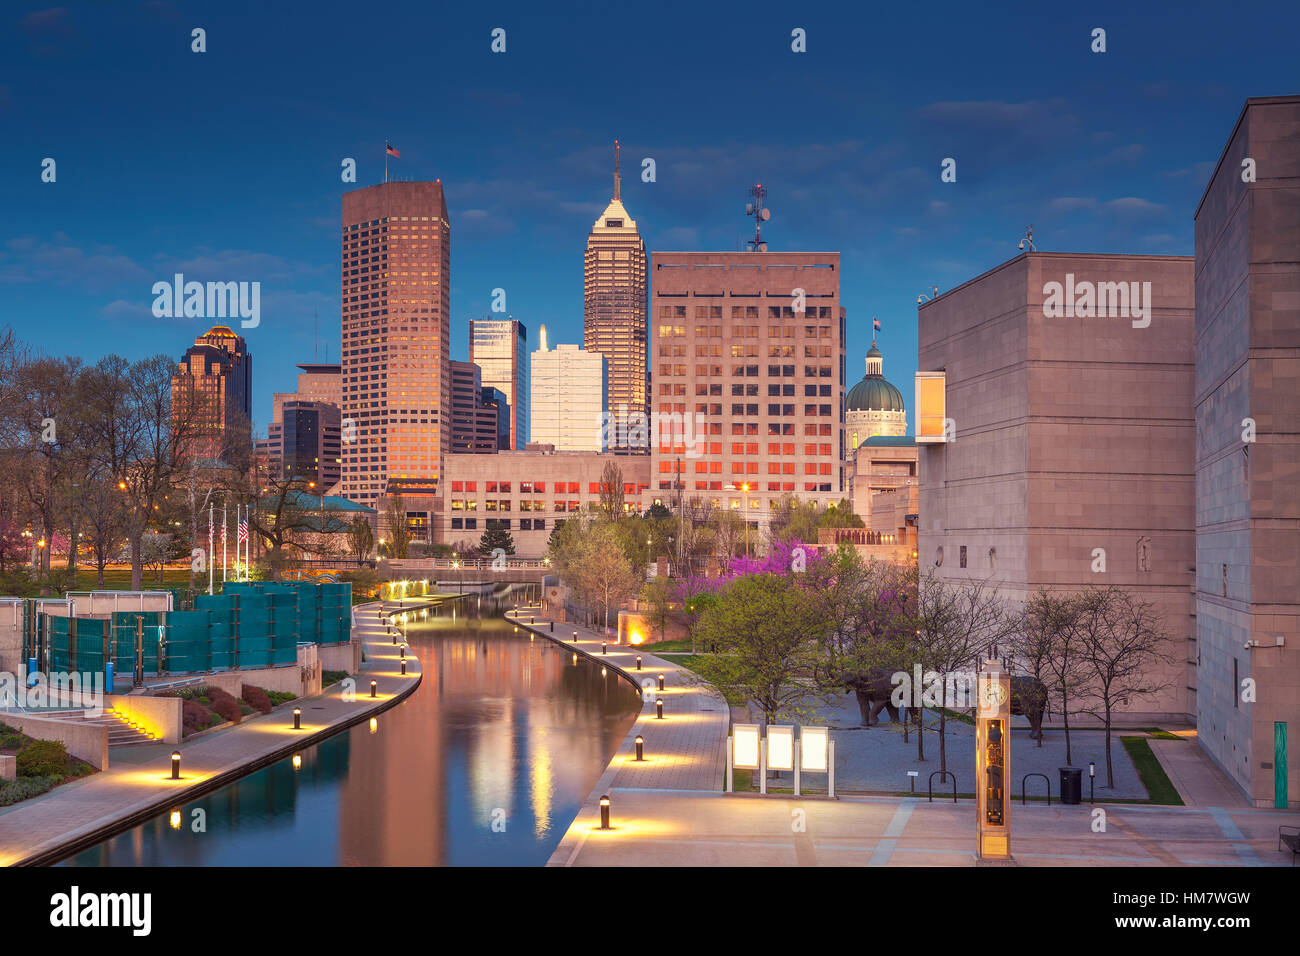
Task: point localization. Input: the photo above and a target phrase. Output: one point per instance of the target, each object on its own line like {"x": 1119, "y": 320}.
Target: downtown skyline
{"x": 528, "y": 168}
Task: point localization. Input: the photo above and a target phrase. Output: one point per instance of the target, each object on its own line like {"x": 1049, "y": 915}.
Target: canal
{"x": 486, "y": 764}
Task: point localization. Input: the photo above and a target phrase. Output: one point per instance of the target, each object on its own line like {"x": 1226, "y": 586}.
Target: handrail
{"x": 943, "y": 774}
{"x": 1047, "y": 780}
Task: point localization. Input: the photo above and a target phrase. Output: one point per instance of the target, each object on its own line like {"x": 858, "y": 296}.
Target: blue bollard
{"x": 31, "y": 672}
{"x": 108, "y": 676}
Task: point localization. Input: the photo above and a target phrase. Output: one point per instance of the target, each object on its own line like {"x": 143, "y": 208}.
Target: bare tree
{"x": 611, "y": 489}
{"x": 1124, "y": 647}
{"x": 1031, "y": 645}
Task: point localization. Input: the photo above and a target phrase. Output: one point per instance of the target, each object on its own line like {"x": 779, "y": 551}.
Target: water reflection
{"x": 486, "y": 764}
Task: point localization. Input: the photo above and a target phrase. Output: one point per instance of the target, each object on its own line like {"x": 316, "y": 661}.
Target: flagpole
{"x": 385, "y": 161}
{"x": 210, "y": 512}
{"x": 224, "y": 532}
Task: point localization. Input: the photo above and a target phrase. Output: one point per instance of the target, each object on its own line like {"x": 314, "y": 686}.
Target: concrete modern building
{"x": 396, "y": 340}
{"x": 874, "y": 406}
{"x": 304, "y": 437}
{"x": 1247, "y": 408}
{"x": 760, "y": 385}
{"x": 500, "y": 348}
{"x": 880, "y": 464}
{"x": 216, "y": 376}
{"x": 317, "y": 382}
{"x": 475, "y": 425}
{"x": 528, "y": 492}
{"x": 1068, "y": 382}
{"x": 614, "y": 304}
{"x": 570, "y": 386}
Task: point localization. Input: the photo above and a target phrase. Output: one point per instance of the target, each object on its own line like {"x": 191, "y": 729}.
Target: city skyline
{"x": 863, "y": 175}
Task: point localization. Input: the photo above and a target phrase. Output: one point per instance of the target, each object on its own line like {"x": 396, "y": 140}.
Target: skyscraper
{"x": 614, "y": 300}
{"x": 396, "y": 265}
{"x": 477, "y": 412}
{"x": 500, "y": 348}
{"x": 215, "y": 377}
{"x": 570, "y": 386}
{"x": 760, "y": 385}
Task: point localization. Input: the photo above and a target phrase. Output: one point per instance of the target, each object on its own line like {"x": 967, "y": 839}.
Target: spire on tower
{"x": 616, "y": 179}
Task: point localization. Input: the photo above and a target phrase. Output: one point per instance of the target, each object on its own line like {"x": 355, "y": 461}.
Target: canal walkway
{"x": 684, "y": 751}
{"x": 138, "y": 786}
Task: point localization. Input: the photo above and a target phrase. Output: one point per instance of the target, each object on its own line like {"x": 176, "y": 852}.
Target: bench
{"x": 1290, "y": 837}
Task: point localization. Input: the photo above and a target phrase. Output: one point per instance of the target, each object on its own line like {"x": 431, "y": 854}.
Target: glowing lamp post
{"x": 176, "y": 764}
{"x": 604, "y": 647}
{"x": 638, "y": 662}
{"x": 297, "y": 718}
{"x": 604, "y": 812}
{"x": 640, "y": 748}
{"x": 403, "y": 668}
{"x": 659, "y": 708}
{"x": 374, "y": 687}
{"x": 661, "y": 681}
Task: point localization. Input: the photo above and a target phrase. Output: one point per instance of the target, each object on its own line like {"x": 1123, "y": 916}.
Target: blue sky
{"x": 225, "y": 165}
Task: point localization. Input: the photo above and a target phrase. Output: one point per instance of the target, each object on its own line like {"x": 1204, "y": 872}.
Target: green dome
{"x": 874, "y": 394}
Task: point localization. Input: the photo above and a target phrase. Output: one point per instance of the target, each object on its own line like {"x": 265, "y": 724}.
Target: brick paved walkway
{"x": 138, "y": 786}
{"x": 687, "y": 750}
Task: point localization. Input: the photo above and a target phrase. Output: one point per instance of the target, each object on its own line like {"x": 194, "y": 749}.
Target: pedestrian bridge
{"x": 468, "y": 570}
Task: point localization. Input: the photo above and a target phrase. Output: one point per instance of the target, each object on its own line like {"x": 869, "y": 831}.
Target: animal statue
{"x": 875, "y": 688}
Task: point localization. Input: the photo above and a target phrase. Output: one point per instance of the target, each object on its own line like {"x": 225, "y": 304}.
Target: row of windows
{"x": 743, "y": 312}
{"x": 525, "y": 524}
{"x": 539, "y": 487}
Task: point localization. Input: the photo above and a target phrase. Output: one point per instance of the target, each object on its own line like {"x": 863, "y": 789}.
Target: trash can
{"x": 1071, "y": 785}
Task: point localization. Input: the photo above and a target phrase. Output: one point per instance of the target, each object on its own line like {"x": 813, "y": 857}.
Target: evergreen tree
{"x": 496, "y": 536}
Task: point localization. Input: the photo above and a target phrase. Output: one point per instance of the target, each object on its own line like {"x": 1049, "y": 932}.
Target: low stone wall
{"x": 287, "y": 678}
{"x": 340, "y": 657}
{"x": 89, "y": 742}
{"x": 160, "y": 716}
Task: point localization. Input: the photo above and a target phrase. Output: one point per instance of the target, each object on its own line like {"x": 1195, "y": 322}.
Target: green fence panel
{"x": 189, "y": 643}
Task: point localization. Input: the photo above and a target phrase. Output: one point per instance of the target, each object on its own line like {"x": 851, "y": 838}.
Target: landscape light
{"x": 604, "y": 647}
{"x": 659, "y": 708}
{"x": 604, "y": 812}
{"x": 176, "y": 764}
{"x": 640, "y": 745}
{"x": 297, "y": 718}
{"x": 374, "y": 686}
{"x": 403, "y": 667}
{"x": 638, "y": 662}
{"x": 661, "y": 681}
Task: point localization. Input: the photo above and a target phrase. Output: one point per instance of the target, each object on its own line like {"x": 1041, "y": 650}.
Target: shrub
{"x": 15, "y": 790}
{"x": 194, "y": 717}
{"x": 43, "y": 758}
{"x": 331, "y": 677}
{"x": 225, "y": 705}
{"x": 279, "y": 697}
{"x": 256, "y": 698}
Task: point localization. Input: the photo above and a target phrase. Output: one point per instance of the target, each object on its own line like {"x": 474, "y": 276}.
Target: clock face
{"x": 995, "y": 694}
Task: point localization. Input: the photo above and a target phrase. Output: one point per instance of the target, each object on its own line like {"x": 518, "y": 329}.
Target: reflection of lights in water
{"x": 297, "y": 761}
{"x": 492, "y": 761}
{"x": 175, "y": 820}
{"x": 541, "y": 782}
{"x": 374, "y": 725}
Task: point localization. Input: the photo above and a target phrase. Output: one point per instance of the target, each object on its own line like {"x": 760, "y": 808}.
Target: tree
{"x": 360, "y": 538}
{"x": 658, "y": 594}
{"x": 659, "y": 512}
{"x": 1124, "y": 654}
{"x": 399, "y": 533}
{"x": 766, "y": 629}
{"x": 840, "y": 516}
{"x": 496, "y": 536}
{"x": 602, "y": 571}
{"x": 728, "y": 531}
{"x": 792, "y": 520}
{"x": 957, "y": 625}
{"x": 611, "y": 489}
{"x": 1031, "y": 646}
{"x": 1065, "y": 663}
{"x": 104, "y": 513}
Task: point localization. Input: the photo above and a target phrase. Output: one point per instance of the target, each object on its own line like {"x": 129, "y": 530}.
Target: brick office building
{"x": 764, "y": 382}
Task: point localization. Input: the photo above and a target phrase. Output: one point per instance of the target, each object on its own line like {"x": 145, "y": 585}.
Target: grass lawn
{"x": 119, "y": 579}
{"x": 1159, "y": 788}
{"x": 682, "y": 646}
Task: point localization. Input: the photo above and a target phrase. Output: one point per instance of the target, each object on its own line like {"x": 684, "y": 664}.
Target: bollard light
{"x": 176, "y": 764}
{"x": 374, "y": 686}
{"x": 604, "y": 812}
{"x": 659, "y": 708}
{"x": 552, "y": 627}
{"x": 604, "y": 647}
{"x": 532, "y": 619}
{"x": 297, "y": 718}
{"x": 661, "y": 681}
{"x": 640, "y": 745}
{"x": 403, "y": 652}
{"x": 403, "y": 668}
{"x": 394, "y": 637}
{"x": 638, "y": 662}
{"x": 575, "y": 635}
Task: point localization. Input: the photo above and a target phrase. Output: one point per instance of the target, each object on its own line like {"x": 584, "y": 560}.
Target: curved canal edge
{"x": 686, "y": 750}
{"x": 79, "y": 815}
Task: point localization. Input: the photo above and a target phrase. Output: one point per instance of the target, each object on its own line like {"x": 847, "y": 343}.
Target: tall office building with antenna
{"x": 615, "y": 302}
